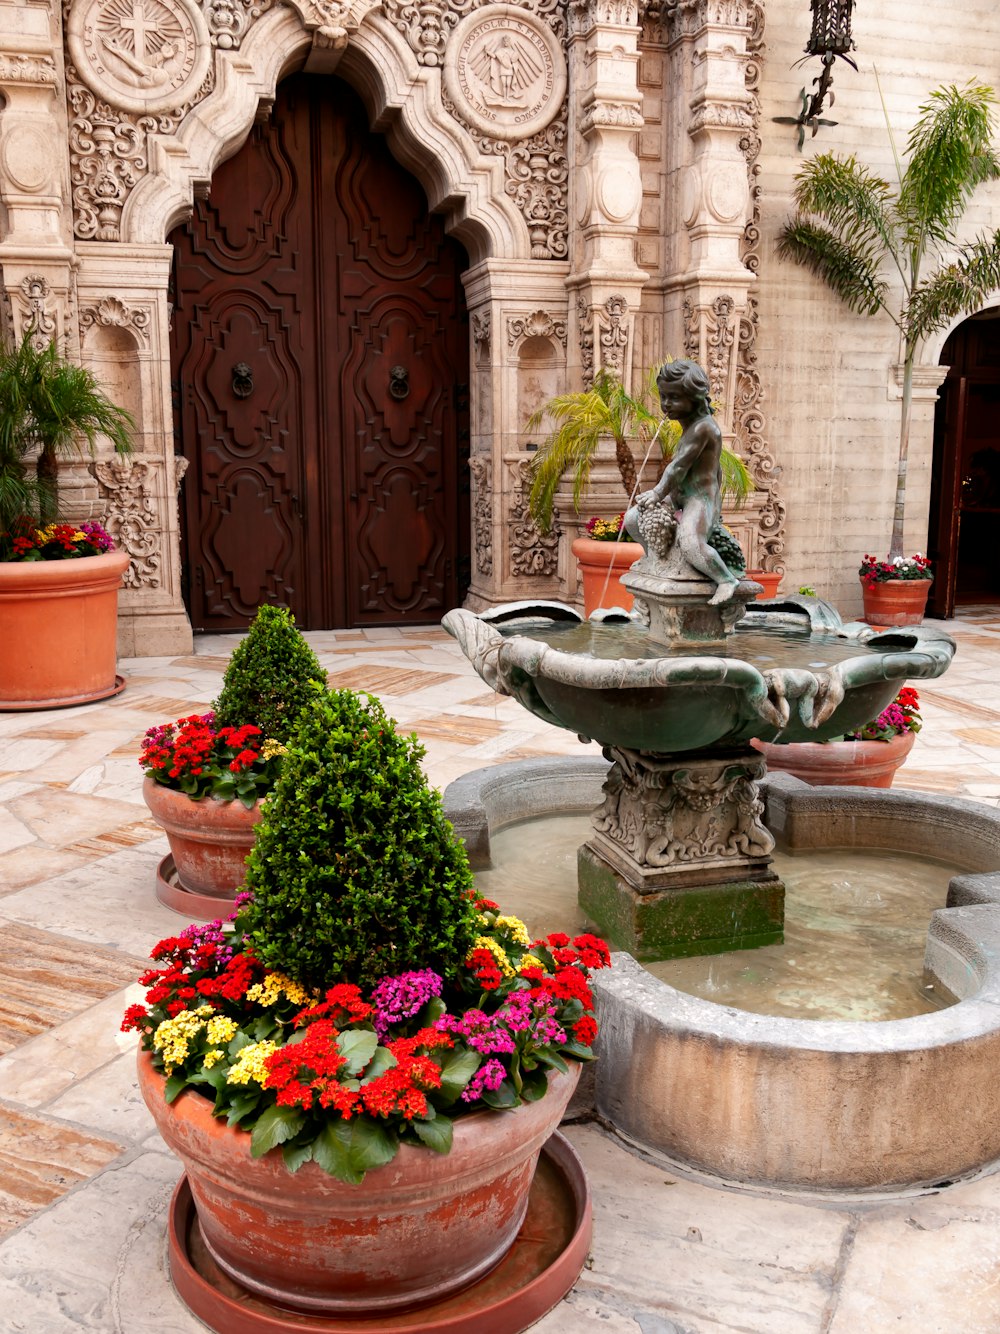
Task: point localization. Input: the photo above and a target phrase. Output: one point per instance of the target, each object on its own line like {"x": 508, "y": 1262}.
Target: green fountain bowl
{"x": 790, "y": 671}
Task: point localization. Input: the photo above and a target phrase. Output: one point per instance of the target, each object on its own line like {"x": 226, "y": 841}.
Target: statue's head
{"x": 690, "y": 379}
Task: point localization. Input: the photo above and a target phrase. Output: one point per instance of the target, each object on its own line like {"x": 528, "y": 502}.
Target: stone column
{"x": 605, "y": 116}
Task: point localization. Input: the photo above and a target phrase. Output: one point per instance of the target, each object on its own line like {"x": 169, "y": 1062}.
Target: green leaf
{"x": 296, "y": 1154}
{"x": 501, "y": 1098}
{"x": 276, "y": 1125}
{"x": 382, "y": 1061}
{"x": 432, "y": 1011}
{"x": 332, "y": 1150}
{"x": 242, "y": 1106}
{"x": 176, "y": 1084}
{"x": 457, "y": 1069}
{"x": 552, "y": 1058}
{"x": 535, "y": 1086}
{"x": 372, "y": 1144}
{"x": 436, "y": 1134}
{"x": 357, "y": 1046}
{"x": 237, "y": 1042}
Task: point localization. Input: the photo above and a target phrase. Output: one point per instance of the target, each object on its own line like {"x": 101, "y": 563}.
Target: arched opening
{"x": 965, "y": 486}
{"x": 319, "y": 354}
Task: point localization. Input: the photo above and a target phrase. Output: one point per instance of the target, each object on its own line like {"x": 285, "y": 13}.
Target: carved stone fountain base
{"x": 679, "y": 862}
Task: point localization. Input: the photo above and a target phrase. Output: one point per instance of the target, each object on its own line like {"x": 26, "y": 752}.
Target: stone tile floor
{"x": 85, "y": 1179}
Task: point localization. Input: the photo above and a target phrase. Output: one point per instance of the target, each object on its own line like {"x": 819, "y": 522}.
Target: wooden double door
{"x": 965, "y": 487}
{"x": 320, "y": 362}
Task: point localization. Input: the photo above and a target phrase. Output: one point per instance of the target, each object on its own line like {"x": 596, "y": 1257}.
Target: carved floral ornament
{"x": 131, "y": 515}
{"x": 110, "y": 311}
{"x": 540, "y": 324}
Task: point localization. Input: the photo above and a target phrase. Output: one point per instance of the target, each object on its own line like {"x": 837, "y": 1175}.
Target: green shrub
{"x": 355, "y": 872}
{"x": 269, "y": 678}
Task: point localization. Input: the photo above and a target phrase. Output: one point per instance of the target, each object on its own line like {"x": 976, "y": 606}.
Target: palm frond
{"x": 950, "y": 153}
{"x": 958, "y": 288}
{"x": 854, "y": 203}
{"x": 847, "y": 269}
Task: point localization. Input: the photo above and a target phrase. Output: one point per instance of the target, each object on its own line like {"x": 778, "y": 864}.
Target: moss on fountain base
{"x": 675, "y": 923}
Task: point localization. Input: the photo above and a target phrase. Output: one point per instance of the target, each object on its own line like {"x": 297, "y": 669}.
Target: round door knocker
{"x": 242, "y": 380}
{"x": 399, "y": 382}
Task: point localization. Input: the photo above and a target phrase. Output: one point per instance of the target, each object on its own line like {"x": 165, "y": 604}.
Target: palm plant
{"x": 584, "y": 418}
{"x": 852, "y": 226}
{"x": 49, "y": 404}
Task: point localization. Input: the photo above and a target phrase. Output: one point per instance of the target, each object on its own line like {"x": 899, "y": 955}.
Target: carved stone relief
{"x": 131, "y": 516}
{"x": 532, "y": 553}
{"x": 606, "y": 329}
{"x": 139, "y": 55}
{"x": 427, "y": 25}
{"x": 110, "y": 311}
{"x": 482, "y": 514}
{"x": 229, "y": 20}
{"x": 539, "y": 324}
{"x": 663, "y": 813}
{"x": 481, "y": 335}
{"x": 32, "y": 307}
{"x": 505, "y": 72}
{"x": 18, "y": 68}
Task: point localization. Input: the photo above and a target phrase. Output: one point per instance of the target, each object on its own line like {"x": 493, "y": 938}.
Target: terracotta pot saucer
{"x": 187, "y": 902}
{"x": 26, "y": 706}
{"x": 543, "y": 1264}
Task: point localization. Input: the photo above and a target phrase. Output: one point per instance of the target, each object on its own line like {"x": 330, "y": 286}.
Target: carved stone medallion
{"x": 505, "y": 72}
{"x": 140, "y": 55}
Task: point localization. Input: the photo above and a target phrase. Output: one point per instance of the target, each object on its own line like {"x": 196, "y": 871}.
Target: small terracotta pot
{"x": 770, "y": 579}
{"x": 209, "y": 840}
{"x": 601, "y": 589}
{"x": 423, "y": 1226}
{"x": 59, "y": 620}
{"x": 896, "y": 601}
{"x": 839, "y": 763}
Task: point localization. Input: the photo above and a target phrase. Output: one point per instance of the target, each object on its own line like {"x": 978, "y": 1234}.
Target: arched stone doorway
{"x": 320, "y": 367}
{"x": 965, "y": 490}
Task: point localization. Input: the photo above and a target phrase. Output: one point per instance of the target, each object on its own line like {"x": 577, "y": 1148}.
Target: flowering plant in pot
{"x": 207, "y": 774}
{"x": 59, "y": 582}
{"x": 895, "y": 590}
{"x": 866, "y": 757}
{"x": 369, "y": 1050}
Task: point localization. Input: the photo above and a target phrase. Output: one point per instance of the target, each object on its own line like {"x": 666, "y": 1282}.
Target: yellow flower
{"x": 270, "y": 748}
{"x": 221, "y": 1029}
{"x": 172, "y": 1036}
{"x": 498, "y": 952}
{"x": 250, "y": 1063}
{"x": 529, "y": 961}
{"x": 515, "y": 928}
{"x": 213, "y": 1057}
{"x": 276, "y": 985}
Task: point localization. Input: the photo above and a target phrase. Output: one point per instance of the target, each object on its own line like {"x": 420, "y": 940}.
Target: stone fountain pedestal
{"x": 679, "y": 862}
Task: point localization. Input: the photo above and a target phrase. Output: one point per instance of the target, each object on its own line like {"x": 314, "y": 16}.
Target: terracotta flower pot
{"x": 770, "y": 579}
{"x": 839, "y": 763}
{"x": 59, "y": 620}
{"x": 896, "y": 601}
{"x": 421, "y": 1227}
{"x": 601, "y": 589}
{"x": 209, "y": 840}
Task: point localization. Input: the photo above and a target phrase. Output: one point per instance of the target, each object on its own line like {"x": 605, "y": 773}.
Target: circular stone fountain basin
{"x": 797, "y": 1103}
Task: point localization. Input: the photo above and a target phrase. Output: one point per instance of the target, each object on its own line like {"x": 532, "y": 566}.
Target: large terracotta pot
{"x": 839, "y": 763}
{"x": 209, "y": 840}
{"x": 896, "y": 601}
{"x": 423, "y": 1226}
{"x": 601, "y": 589}
{"x": 59, "y": 624}
{"x": 769, "y": 579}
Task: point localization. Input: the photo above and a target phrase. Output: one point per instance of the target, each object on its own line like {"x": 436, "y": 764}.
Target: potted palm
{"x": 207, "y": 775}
{"x": 58, "y": 581}
{"x": 359, "y": 1071}
{"x": 852, "y": 226}
{"x": 581, "y": 421}
{"x": 868, "y": 757}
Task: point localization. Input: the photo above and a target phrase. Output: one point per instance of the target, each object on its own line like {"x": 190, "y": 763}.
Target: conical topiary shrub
{"x": 270, "y": 678}
{"x": 356, "y": 874}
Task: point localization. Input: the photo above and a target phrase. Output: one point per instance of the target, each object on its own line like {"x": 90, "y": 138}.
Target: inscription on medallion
{"x": 140, "y": 55}
{"x": 505, "y": 72}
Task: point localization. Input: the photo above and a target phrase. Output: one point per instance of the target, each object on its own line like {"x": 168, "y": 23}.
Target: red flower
{"x": 585, "y": 1031}
{"x": 135, "y": 1017}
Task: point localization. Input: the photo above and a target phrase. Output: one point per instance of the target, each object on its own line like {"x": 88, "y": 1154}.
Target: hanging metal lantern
{"x": 830, "y": 38}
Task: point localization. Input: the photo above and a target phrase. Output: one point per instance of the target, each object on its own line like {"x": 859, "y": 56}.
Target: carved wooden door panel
{"x": 319, "y": 354}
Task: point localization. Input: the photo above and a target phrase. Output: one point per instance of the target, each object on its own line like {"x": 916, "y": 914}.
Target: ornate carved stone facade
{"x": 131, "y": 516}
{"x": 531, "y": 553}
{"x": 482, "y": 514}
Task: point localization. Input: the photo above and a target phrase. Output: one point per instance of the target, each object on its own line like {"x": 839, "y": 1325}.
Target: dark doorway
{"x": 965, "y": 488}
{"x": 320, "y": 364}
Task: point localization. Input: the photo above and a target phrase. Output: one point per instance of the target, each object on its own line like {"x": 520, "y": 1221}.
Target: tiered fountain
{"x": 679, "y": 860}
